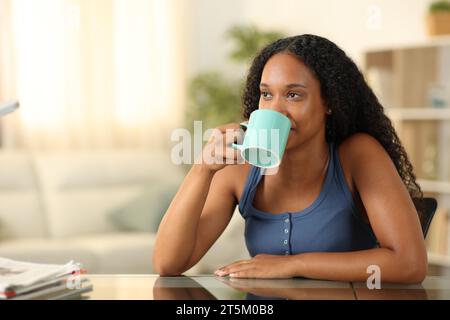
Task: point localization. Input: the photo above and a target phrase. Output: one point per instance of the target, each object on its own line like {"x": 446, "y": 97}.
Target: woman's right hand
{"x": 218, "y": 152}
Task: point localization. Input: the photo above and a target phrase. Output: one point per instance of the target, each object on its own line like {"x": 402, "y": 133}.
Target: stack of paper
{"x": 23, "y": 280}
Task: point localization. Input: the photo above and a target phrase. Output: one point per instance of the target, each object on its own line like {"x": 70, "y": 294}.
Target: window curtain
{"x": 91, "y": 73}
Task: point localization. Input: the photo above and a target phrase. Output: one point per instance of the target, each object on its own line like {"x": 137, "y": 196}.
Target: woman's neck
{"x": 303, "y": 165}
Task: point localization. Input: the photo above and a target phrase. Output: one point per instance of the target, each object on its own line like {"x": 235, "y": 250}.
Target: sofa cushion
{"x": 119, "y": 252}
{"x": 145, "y": 211}
{"x": 45, "y": 250}
{"x": 20, "y": 215}
{"x": 83, "y": 211}
{"x": 104, "y": 253}
{"x": 16, "y": 171}
{"x": 21, "y": 212}
{"x": 104, "y": 168}
{"x": 81, "y": 189}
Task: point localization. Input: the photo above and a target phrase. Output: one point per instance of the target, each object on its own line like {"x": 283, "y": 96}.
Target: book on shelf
{"x": 24, "y": 280}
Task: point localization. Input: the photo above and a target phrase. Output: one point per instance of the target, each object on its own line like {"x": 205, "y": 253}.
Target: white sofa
{"x": 55, "y": 207}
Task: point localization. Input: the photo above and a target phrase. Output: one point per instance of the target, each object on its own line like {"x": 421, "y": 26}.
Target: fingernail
{"x": 220, "y": 273}
{"x": 232, "y": 275}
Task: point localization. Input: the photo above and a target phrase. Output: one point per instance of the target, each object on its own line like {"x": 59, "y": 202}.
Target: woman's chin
{"x": 291, "y": 140}
{"x": 289, "y": 146}
{"x": 293, "y": 143}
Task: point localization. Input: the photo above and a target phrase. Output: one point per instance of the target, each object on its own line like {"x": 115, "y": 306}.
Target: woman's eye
{"x": 294, "y": 95}
{"x": 265, "y": 94}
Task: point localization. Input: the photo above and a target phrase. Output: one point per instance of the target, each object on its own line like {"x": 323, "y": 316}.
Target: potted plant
{"x": 438, "y": 19}
{"x": 215, "y": 99}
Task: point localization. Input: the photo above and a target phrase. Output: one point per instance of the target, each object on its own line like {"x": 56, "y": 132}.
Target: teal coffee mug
{"x": 265, "y": 138}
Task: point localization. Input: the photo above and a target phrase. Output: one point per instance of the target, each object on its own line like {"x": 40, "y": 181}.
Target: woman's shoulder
{"x": 359, "y": 146}
{"x": 234, "y": 177}
{"x": 353, "y": 151}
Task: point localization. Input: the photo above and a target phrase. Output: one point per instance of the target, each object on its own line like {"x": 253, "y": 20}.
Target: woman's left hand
{"x": 261, "y": 266}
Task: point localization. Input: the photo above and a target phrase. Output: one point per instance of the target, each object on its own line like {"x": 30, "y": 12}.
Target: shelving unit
{"x": 403, "y": 77}
{"x": 439, "y": 259}
{"x": 430, "y": 186}
{"x": 401, "y": 114}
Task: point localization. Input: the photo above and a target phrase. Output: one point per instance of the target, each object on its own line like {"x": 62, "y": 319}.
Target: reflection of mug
{"x": 265, "y": 138}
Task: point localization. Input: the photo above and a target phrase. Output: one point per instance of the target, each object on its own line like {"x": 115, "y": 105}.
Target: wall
{"x": 352, "y": 24}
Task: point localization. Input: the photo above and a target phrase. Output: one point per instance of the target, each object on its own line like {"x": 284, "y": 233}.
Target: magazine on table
{"x": 27, "y": 280}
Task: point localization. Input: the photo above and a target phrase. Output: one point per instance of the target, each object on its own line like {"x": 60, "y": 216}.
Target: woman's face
{"x": 289, "y": 87}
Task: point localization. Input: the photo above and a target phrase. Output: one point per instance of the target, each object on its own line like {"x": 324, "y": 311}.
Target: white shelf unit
{"x": 403, "y": 114}
{"x": 401, "y": 76}
{"x": 432, "y": 186}
{"x": 439, "y": 259}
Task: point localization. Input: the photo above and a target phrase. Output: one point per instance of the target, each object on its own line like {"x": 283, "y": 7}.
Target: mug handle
{"x": 243, "y": 125}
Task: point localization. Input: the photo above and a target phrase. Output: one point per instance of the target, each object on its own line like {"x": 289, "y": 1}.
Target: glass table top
{"x": 208, "y": 287}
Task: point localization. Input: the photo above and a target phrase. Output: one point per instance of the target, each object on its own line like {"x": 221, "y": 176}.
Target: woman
{"x": 341, "y": 200}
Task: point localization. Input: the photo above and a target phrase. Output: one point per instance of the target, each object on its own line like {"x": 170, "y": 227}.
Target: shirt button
{"x": 286, "y": 252}
{"x": 286, "y": 220}
{"x": 285, "y": 241}
{"x": 286, "y": 231}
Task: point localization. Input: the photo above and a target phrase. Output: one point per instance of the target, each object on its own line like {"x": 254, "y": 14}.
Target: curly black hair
{"x": 354, "y": 106}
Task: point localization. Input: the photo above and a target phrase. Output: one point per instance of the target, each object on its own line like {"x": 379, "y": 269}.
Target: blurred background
{"x": 85, "y": 167}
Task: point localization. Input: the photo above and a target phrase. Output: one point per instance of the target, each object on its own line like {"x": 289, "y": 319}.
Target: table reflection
{"x": 180, "y": 288}
{"x": 187, "y": 288}
{"x": 392, "y": 292}
{"x": 207, "y": 287}
{"x": 290, "y": 289}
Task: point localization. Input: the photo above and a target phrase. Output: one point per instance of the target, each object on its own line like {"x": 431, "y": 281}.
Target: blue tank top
{"x": 330, "y": 224}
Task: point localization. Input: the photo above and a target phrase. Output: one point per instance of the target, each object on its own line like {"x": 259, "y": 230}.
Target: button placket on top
{"x": 287, "y": 235}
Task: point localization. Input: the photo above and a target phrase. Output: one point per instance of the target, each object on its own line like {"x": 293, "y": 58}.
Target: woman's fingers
{"x": 229, "y": 126}
{"x": 220, "y": 150}
{"x": 229, "y": 155}
{"x": 245, "y": 261}
{"x": 216, "y": 154}
{"x": 234, "y": 267}
{"x": 227, "y": 134}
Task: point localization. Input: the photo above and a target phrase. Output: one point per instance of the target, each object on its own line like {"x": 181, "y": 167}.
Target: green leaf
{"x": 216, "y": 100}
{"x": 440, "y": 6}
{"x": 248, "y": 41}
{"x": 213, "y": 100}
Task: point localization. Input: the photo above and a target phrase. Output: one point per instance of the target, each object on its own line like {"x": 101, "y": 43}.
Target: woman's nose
{"x": 279, "y": 107}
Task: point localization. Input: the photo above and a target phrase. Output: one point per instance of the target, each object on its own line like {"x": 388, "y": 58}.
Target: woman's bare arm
{"x": 198, "y": 214}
